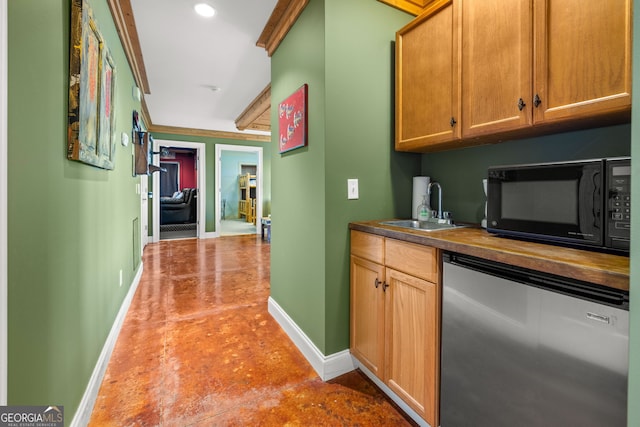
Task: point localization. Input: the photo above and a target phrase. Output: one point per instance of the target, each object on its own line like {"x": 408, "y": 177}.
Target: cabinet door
{"x": 367, "y": 314}
{"x": 427, "y": 79}
{"x": 583, "y": 58}
{"x": 497, "y": 67}
{"x": 412, "y": 342}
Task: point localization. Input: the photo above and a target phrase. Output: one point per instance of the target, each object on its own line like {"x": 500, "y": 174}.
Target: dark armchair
{"x": 179, "y": 210}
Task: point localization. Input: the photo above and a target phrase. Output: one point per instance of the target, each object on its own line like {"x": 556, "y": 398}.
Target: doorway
{"x": 239, "y": 189}
{"x": 179, "y": 212}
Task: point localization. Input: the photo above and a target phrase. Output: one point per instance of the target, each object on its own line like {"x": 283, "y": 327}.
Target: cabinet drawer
{"x": 367, "y": 246}
{"x": 416, "y": 260}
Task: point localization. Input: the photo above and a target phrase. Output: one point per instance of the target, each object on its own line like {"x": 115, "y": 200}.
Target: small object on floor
{"x": 266, "y": 224}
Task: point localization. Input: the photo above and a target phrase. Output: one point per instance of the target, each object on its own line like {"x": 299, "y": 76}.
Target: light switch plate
{"x": 352, "y": 189}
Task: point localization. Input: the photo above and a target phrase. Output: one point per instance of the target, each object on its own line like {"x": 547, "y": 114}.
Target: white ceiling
{"x": 185, "y": 55}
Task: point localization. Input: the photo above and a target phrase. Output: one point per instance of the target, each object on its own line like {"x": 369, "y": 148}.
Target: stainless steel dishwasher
{"x": 524, "y": 348}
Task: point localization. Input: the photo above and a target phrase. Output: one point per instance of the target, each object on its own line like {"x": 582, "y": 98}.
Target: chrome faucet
{"x": 439, "y": 197}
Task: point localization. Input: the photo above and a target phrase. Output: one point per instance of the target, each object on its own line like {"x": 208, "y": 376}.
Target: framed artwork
{"x": 92, "y": 75}
{"x": 292, "y": 121}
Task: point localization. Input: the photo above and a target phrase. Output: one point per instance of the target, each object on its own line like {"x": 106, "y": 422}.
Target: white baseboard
{"x": 210, "y": 235}
{"x": 83, "y": 414}
{"x": 327, "y": 367}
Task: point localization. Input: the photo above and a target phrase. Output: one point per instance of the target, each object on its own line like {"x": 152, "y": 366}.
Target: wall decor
{"x": 92, "y": 75}
{"x": 141, "y": 148}
{"x": 142, "y": 141}
{"x": 292, "y": 120}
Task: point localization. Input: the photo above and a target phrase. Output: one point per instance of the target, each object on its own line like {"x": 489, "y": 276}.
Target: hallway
{"x": 198, "y": 348}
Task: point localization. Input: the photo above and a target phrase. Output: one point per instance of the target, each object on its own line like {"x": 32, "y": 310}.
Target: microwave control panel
{"x": 618, "y": 204}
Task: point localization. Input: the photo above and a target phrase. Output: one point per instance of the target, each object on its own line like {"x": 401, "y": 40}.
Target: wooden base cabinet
{"x": 367, "y": 314}
{"x": 395, "y": 317}
{"x": 411, "y": 347}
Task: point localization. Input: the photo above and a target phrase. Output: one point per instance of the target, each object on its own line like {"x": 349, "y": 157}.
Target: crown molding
{"x": 208, "y": 133}
{"x": 122, "y": 14}
{"x": 144, "y": 113}
{"x": 284, "y": 15}
{"x": 257, "y": 115}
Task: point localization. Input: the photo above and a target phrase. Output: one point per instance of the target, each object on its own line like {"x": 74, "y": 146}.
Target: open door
{"x": 197, "y": 196}
{"x": 228, "y": 205}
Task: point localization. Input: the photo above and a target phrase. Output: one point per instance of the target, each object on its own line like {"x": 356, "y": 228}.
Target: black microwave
{"x": 584, "y": 203}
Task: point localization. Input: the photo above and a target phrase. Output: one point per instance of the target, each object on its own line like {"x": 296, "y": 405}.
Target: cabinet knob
{"x": 377, "y": 282}
{"x": 521, "y": 104}
{"x": 536, "y": 100}
{"x": 385, "y": 285}
{"x": 452, "y": 122}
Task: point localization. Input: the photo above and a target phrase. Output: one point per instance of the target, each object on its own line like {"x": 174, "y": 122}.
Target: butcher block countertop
{"x": 595, "y": 267}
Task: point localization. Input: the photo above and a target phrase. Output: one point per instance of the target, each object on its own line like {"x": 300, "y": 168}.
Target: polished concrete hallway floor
{"x": 198, "y": 348}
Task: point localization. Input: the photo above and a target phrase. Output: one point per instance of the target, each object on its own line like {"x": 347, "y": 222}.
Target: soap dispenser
{"x": 424, "y": 210}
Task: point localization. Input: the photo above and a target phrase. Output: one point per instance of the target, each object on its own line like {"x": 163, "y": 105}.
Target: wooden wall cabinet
{"x": 582, "y": 58}
{"x": 526, "y": 66}
{"x": 395, "y": 317}
{"x": 497, "y": 66}
{"x": 428, "y": 79}
{"x": 542, "y": 62}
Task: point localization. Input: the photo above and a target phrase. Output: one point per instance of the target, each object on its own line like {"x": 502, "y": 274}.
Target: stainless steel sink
{"x": 421, "y": 225}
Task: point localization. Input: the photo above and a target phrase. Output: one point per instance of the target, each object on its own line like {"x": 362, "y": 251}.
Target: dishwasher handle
{"x": 564, "y": 285}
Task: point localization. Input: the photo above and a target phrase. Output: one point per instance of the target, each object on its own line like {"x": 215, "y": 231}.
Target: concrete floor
{"x": 198, "y": 348}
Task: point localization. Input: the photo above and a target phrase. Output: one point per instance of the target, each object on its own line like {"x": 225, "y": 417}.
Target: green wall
{"x": 70, "y": 225}
{"x": 460, "y": 172}
{"x": 210, "y": 173}
{"x": 634, "y": 311}
{"x": 343, "y": 51}
{"x": 298, "y": 180}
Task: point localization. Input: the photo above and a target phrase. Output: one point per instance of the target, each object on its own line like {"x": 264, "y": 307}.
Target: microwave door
{"x": 550, "y": 202}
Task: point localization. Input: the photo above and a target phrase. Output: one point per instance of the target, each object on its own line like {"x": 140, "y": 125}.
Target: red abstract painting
{"x": 292, "y": 121}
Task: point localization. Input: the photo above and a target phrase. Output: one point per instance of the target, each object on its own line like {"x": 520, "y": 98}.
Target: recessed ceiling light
{"x": 205, "y": 10}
